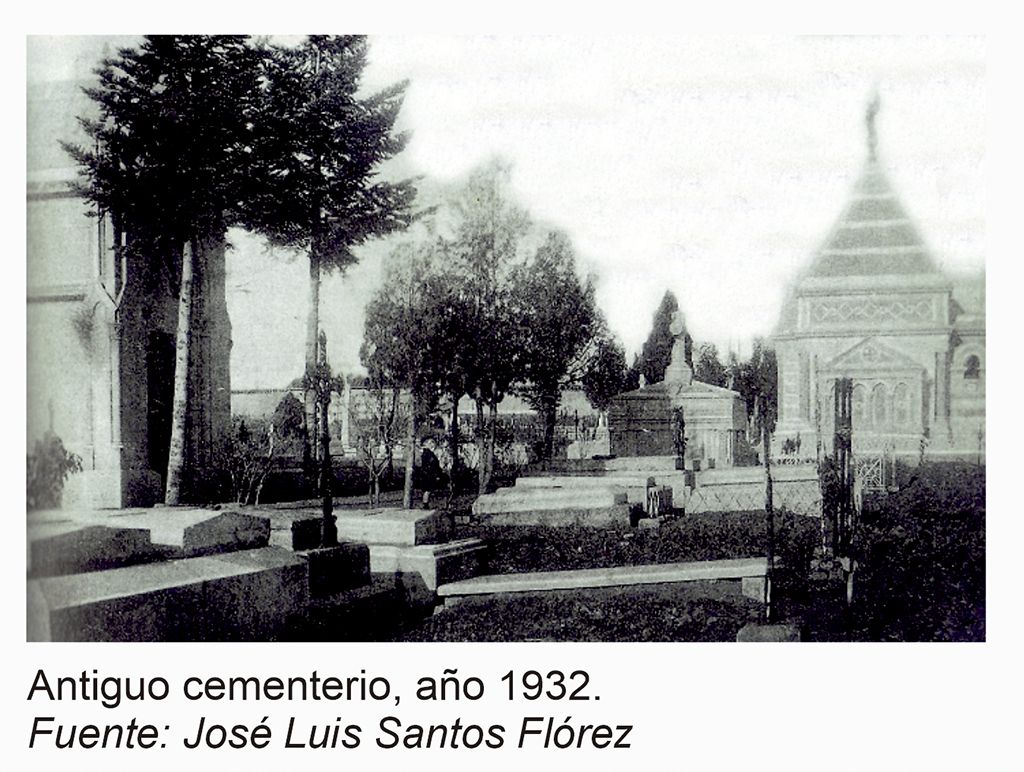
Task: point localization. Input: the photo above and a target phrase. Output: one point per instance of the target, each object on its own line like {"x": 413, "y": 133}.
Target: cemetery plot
{"x": 659, "y": 612}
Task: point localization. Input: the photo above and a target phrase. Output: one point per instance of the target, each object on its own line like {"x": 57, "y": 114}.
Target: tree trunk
{"x": 453, "y": 446}
{"x": 492, "y": 435}
{"x": 410, "y": 455}
{"x": 392, "y": 433}
{"x": 309, "y": 439}
{"x": 481, "y": 448}
{"x": 769, "y": 509}
{"x": 549, "y": 412}
{"x": 179, "y": 410}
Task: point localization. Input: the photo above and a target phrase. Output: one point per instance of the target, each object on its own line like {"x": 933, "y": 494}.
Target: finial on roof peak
{"x": 874, "y": 105}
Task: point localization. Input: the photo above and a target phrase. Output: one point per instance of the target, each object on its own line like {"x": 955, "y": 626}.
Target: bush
{"x": 252, "y": 454}
{"x": 922, "y": 570}
{"x": 49, "y": 466}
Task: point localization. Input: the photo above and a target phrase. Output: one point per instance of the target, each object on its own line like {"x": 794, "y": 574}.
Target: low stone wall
{"x": 747, "y": 573}
{"x": 802, "y": 497}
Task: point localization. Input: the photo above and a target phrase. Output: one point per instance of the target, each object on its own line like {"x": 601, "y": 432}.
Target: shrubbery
{"x": 49, "y": 466}
{"x": 922, "y": 571}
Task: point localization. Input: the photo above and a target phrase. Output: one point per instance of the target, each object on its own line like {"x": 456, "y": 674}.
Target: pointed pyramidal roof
{"x": 874, "y": 235}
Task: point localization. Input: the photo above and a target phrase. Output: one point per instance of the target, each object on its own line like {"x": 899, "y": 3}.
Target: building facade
{"x": 101, "y": 330}
{"x": 874, "y": 307}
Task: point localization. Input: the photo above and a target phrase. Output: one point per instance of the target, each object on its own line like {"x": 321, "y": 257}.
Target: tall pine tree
{"x": 169, "y": 163}
{"x": 319, "y": 146}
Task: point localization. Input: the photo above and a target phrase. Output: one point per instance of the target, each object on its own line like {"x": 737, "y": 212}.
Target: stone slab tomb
{"x": 421, "y": 569}
{"x": 243, "y": 595}
{"x": 98, "y": 540}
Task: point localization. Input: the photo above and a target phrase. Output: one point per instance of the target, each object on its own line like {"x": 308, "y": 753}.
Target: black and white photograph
{"x": 506, "y": 338}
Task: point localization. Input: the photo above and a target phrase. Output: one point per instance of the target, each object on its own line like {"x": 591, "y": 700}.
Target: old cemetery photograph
{"x": 503, "y": 338}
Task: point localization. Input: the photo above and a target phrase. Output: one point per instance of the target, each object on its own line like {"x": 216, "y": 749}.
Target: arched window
{"x": 901, "y": 405}
{"x": 972, "y": 368}
{"x": 860, "y": 406}
{"x": 879, "y": 408}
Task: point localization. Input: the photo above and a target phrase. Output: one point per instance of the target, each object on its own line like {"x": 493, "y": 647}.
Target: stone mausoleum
{"x": 873, "y": 306}
{"x": 641, "y": 422}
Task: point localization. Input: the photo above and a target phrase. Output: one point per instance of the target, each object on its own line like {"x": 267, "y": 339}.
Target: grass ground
{"x": 921, "y": 574}
{"x": 667, "y": 612}
{"x": 693, "y": 537}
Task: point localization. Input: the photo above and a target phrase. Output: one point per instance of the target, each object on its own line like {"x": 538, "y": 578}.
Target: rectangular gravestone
{"x": 334, "y": 569}
{"x": 204, "y": 533}
{"x": 423, "y": 568}
{"x": 71, "y": 548}
{"x": 402, "y": 527}
{"x": 244, "y": 595}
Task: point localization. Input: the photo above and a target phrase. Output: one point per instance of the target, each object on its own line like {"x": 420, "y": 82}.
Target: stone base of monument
{"x": 335, "y": 569}
{"x": 394, "y": 526}
{"x": 421, "y": 569}
{"x": 302, "y": 530}
{"x": 753, "y": 587}
{"x": 616, "y": 516}
{"x": 756, "y": 632}
{"x": 366, "y": 613}
{"x": 635, "y": 485}
{"x": 795, "y": 488}
{"x": 244, "y": 595}
{"x": 587, "y": 503}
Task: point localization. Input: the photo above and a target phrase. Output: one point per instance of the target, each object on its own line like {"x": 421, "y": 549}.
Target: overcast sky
{"x": 710, "y": 166}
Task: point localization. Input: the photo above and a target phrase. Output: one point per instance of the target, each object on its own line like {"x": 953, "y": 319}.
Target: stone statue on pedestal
{"x": 679, "y": 371}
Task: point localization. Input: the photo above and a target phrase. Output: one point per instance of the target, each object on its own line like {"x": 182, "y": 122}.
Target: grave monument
{"x": 641, "y": 422}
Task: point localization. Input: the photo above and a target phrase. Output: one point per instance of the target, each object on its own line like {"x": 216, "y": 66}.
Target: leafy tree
{"x": 378, "y": 421}
{"x": 487, "y": 255}
{"x": 562, "y": 325}
{"x": 289, "y": 422}
{"x": 405, "y": 340}
{"x": 170, "y": 163}
{"x": 605, "y": 375}
{"x": 756, "y": 380}
{"x": 319, "y": 145}
{"x": 708, "y": 368}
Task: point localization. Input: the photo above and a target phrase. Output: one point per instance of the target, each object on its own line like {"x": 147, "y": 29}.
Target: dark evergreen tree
{"x": 632, "y": 379}
{"x": 606, "y": 373}
{"x": 756, "y": 380}
{"x": 656, "y": 353}
{"x": 170, "y": 163}
{"x": 319, "y": 146}
{"x": 708, "y": 368}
